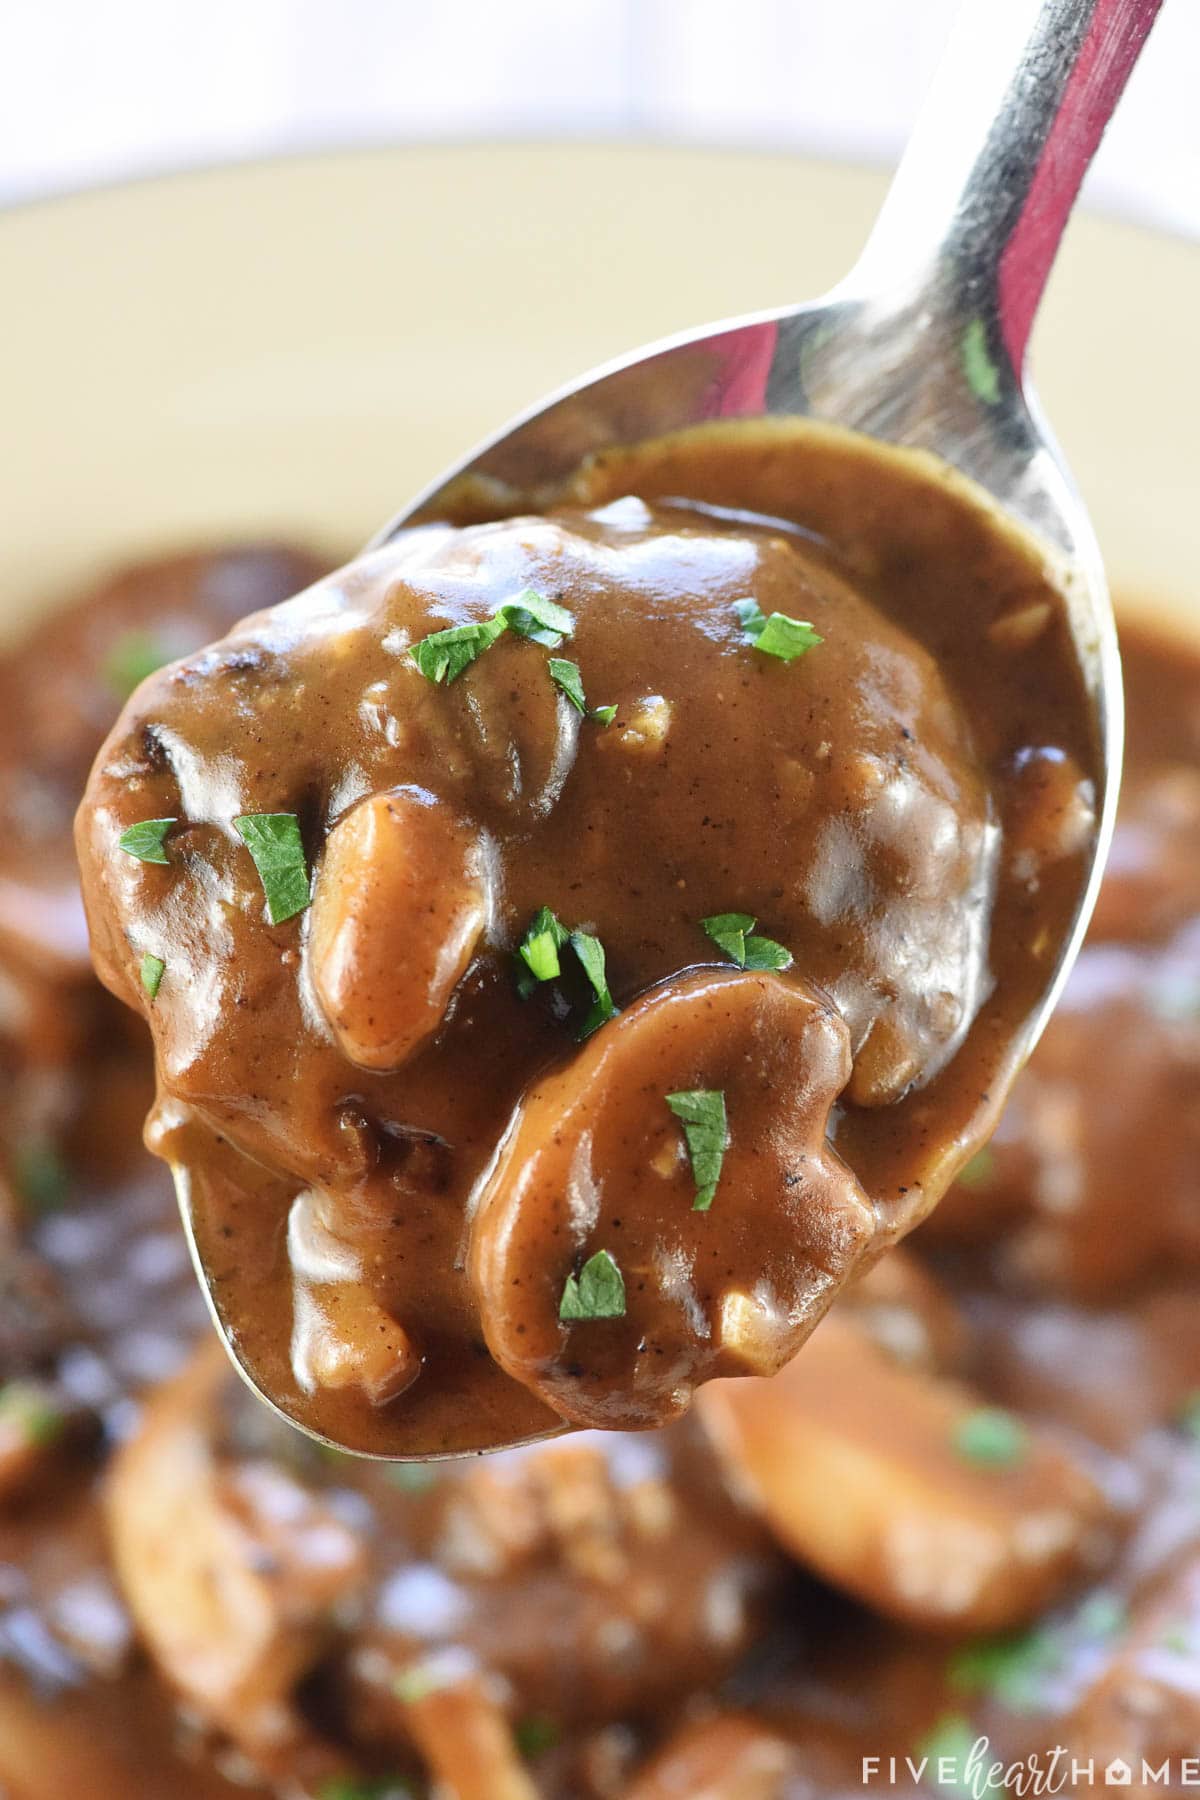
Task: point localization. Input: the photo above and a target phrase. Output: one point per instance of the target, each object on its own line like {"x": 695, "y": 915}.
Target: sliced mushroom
{"x": 884, "y": 1480}
{"x": 728, "y": 1757}
{"x": 596, "y": 1163}
{"x": 462, "y": 1733}
{"x": 400, "y": 901}
{"x": 234, "y": 1573}
{"x": 341, "y": 1336}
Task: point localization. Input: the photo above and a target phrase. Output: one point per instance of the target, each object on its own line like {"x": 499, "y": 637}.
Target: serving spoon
{"x": 923, "y": 344}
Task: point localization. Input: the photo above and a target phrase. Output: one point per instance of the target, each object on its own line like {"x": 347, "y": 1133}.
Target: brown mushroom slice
{"x": 341, "y": 1336}
{"x": 399, "y": 904}
{"x": 870, "y": 1473}
{"x": 461, "y": 1731}
{"x": 730, "y": 1756}
{"x": 116, "y": 1740}
{"x": 233, "y": 1574}
{"x": 1084, "y": 1131}
{"x": 595, "y": 1163}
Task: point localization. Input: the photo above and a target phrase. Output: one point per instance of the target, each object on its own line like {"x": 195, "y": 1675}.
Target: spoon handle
{"x": 1016, "y": 112}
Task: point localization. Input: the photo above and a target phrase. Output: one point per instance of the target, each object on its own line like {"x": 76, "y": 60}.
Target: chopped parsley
{"x": 991, "y": 1437}
{"x": 152, "y": 969}
{"x": 947, "y": 1749}
{"x": 597, "y": 1292}
{"x": 531, "y": 615}
{"x": 145, "y": 840}
{"x": 980, "y": 1172}
{"x": 134, "y": 656}
{"x": 443, "y": 655}
{"x": 590, "y": 952}
{"x": 983, "y": 377}
{"x": 420, "y": 1679}
{"x": 538, "y": 960}
{"x": 1187, "y": 1415}
{"x": 705, "y": 1127}
{"x": 537, "y": 953}
{"x": 1016, "y": 1671}
{"x": 777, "y": 635}
{"x": 1101, "y": 1615}
{"x": 411, "y": 1477}
{"x": 41, "y": 1174}
{"x": 732, "y": 933}
{"x": 536, "y": 1734}
{"x": 567, "y": 678}
{"x": 273, "y": 840}
{"x": 1009, "y": 1670}
{"x": 27, "y": 1411}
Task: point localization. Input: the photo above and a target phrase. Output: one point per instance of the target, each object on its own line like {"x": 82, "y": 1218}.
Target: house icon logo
{"x": 1118, "y": 1773}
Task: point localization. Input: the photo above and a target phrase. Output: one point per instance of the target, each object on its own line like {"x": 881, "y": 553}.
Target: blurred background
{"x": 91, "y": 93}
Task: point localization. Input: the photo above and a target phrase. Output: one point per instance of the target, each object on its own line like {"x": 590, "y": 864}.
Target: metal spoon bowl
{"x": 923, "y": 344}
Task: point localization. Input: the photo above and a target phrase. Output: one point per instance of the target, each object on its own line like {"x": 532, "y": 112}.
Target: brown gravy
{"x": 395, "y": 1164}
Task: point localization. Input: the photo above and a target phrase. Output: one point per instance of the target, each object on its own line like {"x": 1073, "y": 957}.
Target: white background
{"x": 92, "y": 90}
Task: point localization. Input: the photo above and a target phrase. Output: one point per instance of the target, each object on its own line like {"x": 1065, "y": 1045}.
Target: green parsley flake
{"x": 537, "y": 953}
{"x": 531, "y": 615}
{"x": 411, "y": 1477}
{"x": 1187, "y": 1415}
{"x": 443, "y": 655}
{"x": 1101, "y": 1615}
{"x": 28, "y": 1412}
{"x": 152, "y": 970}
{"x": 273, "y": 840}
{"x": 538, "y": 960}
{"x": 947, "y": 1749}
{"x": 41, "y": 1174}
{"x": 145, "y": 840}
{"x": 991, "y": 1437}
{"x": 134, "y": 656}
{"x": 706, "y": 1129}
{"x": 728, "y": 932}
{"x": 980, "y": 1172}
{"x": 983, "y": 377}
{"x": 590, "y": 952}
{"x": 1018, "y": 1671}
{"x": 420, "y": 1679}
{"x": 1012, "y": 1670}
{"x": 535, "y": 1735}
{"x": 567, "y": 678}
{"x": 598, "y": 1292}
{"x": 778, "y": 635}
{"x": 731, "y": 933}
